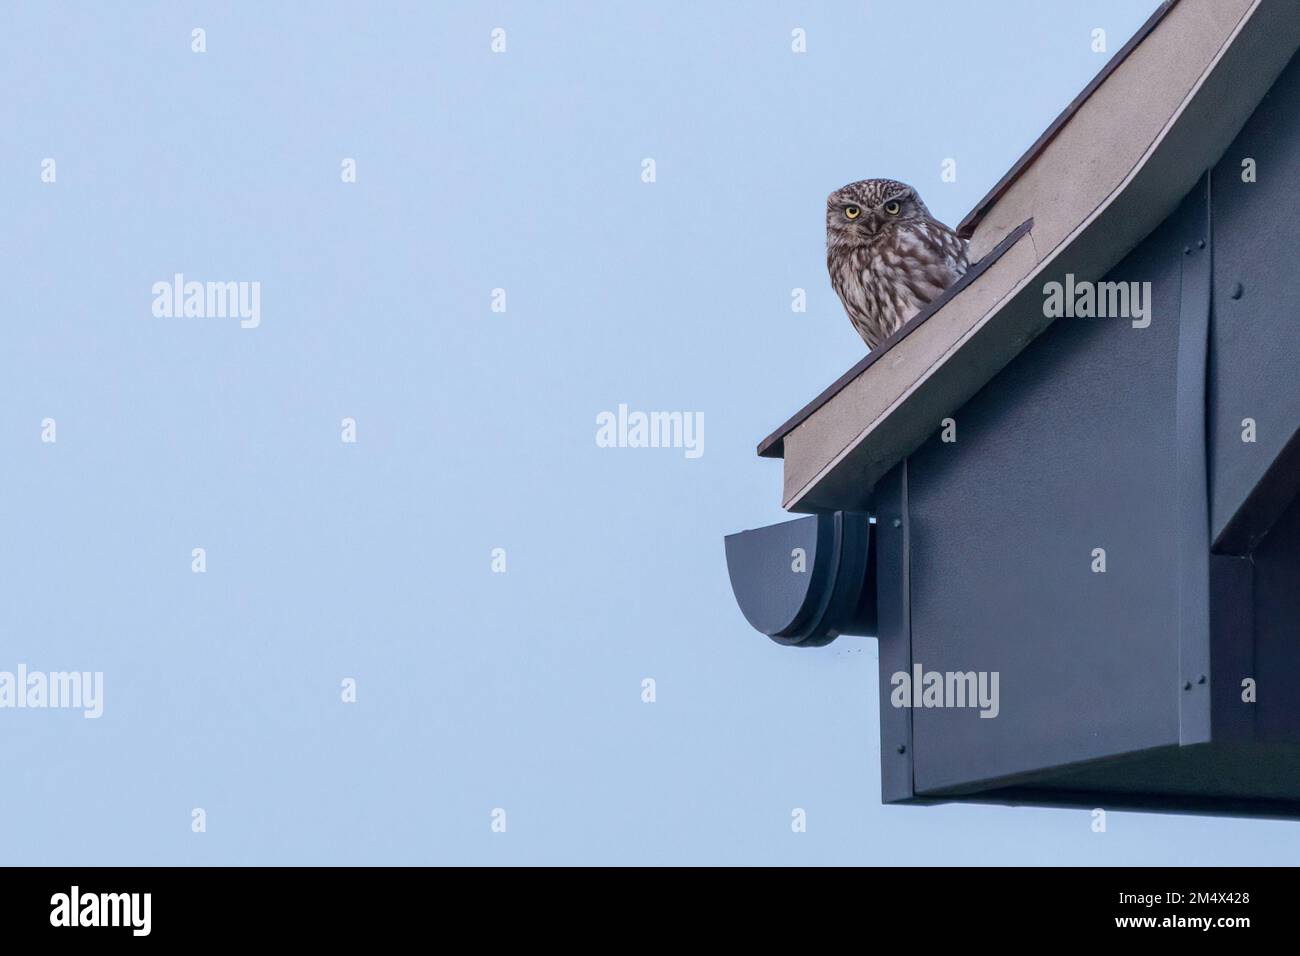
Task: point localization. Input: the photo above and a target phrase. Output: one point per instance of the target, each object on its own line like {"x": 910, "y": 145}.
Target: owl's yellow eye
{"x": 852, "y": 212}
{"x": 893, "y": 208}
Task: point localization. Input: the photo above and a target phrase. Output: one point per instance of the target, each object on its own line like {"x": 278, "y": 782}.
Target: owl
{"x": 887, "y": 256}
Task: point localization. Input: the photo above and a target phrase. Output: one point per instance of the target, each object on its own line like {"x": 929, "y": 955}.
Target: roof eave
{"x": 1219, "y": 59}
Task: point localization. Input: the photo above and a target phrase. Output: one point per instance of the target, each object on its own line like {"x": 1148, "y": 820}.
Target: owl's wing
{"x": 953, "y": 250}
{"x": 941, "y": 261}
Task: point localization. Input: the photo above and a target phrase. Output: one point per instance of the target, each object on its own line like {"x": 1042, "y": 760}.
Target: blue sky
{"x": 475, "y": 429}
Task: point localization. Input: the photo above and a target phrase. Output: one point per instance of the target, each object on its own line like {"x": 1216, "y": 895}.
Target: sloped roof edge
{"x": 966, "y": 227}
{"x": 772, "y": 445}
{"x": 1146, "y": 135}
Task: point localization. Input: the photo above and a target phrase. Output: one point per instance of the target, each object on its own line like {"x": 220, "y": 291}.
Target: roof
{"x": 1104, "y": 174}
{"x": 967, "y": 226}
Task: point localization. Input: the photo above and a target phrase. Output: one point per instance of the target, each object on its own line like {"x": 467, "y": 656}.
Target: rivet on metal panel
{"x": 1201, "y": 679}
{"x": 1187, "y": 685}
{"x": 898, "y": 522}
{"x": 1200, "y": 244}
{"x": 1237, "y": 290}
{"x": 902, "y": 748}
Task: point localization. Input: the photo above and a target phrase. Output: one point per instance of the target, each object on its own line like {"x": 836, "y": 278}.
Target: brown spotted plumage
{"x": 887, "y": 256}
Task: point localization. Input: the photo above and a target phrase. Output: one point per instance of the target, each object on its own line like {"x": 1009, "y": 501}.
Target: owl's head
{"x": 860, "y": 211}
